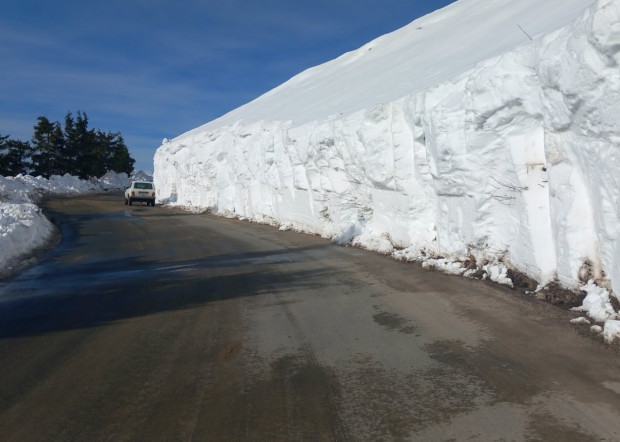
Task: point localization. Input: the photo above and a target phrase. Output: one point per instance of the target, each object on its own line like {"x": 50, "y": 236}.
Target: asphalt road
{"x": 153, "y": 324}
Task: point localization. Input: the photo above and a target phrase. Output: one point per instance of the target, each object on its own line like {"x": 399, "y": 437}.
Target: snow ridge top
{"x": 428, "y": 51}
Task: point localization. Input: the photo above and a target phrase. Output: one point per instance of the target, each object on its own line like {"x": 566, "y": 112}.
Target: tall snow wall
{"x": 515, "y": 160}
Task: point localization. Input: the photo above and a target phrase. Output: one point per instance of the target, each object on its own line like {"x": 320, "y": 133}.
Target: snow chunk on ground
{"x": 444, "y": 265}
{"x": 498, "y": 273}
{"x": 596, "y": 329}
{"x": 596, "y": 303}
{"x": 598, "y": 306}
{"x": 611, "y": 331}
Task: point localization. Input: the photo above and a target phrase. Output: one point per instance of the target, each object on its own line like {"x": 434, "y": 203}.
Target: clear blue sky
{"x": 153, "y": 69}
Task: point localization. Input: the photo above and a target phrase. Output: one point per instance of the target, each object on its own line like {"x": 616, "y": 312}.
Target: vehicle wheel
{"x": 130, "y": 202}
{"x": 125, "y": 201}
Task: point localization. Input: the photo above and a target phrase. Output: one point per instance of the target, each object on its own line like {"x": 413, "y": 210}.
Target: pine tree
{"x": 43, "y": 148}
{"x": 58, "y": 154}
{"x": 19, "y": 157}
{"x": 69, "y": 159}
{"x": 84, "y": 146}
{"x": 4, "y": 157}
{"x": 97, "y": 154}
{"x": 117, "y": 156}
{"x": 76, "y": 150}
{"x": 14, "y": 157}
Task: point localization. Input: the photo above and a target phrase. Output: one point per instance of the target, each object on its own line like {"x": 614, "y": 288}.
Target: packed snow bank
{"x": 454, "y": 141}
{"x": 23, "y": 227}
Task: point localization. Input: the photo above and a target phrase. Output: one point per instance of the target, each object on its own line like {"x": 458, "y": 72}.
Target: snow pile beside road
{"x": 28, "y": 189}
{"x": 597, "y": 304}
{"x": 112, "y": 180}
{"x": 611, "y": 332}
{"x": 453, "y": 141}
{"x": 23, "y": 227}
{"x": 470, "y": 268}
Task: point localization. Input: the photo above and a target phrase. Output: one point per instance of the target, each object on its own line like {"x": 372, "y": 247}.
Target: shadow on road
{"x": 56, "y": 297}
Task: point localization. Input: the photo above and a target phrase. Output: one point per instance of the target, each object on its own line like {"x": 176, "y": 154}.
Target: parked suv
{"x": 140, "y": 191}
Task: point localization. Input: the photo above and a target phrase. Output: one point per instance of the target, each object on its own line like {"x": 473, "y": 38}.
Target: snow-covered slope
{"x": 428, "y": 51}
{"x": 456, "y": 137}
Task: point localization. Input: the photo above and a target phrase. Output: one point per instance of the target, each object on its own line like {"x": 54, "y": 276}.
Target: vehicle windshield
{"x": 143, "y": 185}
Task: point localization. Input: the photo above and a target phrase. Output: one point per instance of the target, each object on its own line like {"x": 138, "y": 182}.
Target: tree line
{"x": 73, "y": 149}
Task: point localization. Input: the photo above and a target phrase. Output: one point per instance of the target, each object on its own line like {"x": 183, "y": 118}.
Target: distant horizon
{"x": 154, "y": 71}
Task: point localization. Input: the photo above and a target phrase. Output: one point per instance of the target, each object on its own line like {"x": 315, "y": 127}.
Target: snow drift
{"x": 455, "y": 138}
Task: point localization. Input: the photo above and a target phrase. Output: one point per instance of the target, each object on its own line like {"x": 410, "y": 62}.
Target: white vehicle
{"x": 143, "y": 191}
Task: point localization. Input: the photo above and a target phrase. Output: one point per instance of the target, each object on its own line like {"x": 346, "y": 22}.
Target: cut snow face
{"x": 454, "y": 139}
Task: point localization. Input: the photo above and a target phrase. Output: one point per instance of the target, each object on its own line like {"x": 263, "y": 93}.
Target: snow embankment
{"x": 513, "y": 163}
{"x": 23, "y": 227}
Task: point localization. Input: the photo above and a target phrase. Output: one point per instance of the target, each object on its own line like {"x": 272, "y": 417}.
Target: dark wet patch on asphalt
{"x": 398, "y": 404}
{"x": 294, "y": 399}
{"x": 507, "y": 379}
{"x": 394, "y": 322}
{"x": 53, "y": 275}
{"x": 547, "y": 427}
{"x": 230, "y": 351}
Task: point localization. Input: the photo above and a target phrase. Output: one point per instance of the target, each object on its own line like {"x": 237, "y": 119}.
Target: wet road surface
{"x": 153, "y": 324}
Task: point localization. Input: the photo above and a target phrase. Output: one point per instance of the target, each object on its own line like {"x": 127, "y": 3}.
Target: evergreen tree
{"x": 97, "y": 154}
{"x": 14, "y": 157}
{"x": 69, "y": 162}
{"x": 58, "y": 154}
{"x": 117, "y": 156}
{"x": 18, "y": 157}
{"x": 43, "y": 148}
{"x": 76, "y": 150}
{"x": 4, "y": 157}
{"x": 84, "y": 147}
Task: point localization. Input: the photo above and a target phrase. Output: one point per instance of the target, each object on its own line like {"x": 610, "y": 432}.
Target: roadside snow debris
{"x": 23, "y": 227}
{"x": 444, "y": 265}
{"x": 611, "y": 332}
{"x": 596, "y": 329}
{"x": 597, "y": 305}
{"x": 580, "y": 320}
{"x": 498, "y": 273}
